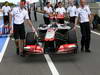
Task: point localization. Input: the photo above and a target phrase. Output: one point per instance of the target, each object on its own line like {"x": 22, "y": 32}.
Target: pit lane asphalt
{"x": 79, "y": 64}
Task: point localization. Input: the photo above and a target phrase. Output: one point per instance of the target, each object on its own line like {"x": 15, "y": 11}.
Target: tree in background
{"x": 8, "y": 3}
{"x": 44, "y": 2}
{"x": 23, "y": 0}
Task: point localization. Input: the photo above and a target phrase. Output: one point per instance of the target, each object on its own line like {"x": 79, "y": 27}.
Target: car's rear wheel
{"x": 30, "y": 38}
{"x": 72, "y": 39}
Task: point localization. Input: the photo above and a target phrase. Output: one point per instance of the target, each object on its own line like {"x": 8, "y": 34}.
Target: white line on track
{"x": 51, "y": 65}
{"x": 91, "y": 31}
{"x": 4, "y": 48}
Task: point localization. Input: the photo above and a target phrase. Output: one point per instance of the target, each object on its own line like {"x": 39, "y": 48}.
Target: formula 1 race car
{"x": 53, "y": 38}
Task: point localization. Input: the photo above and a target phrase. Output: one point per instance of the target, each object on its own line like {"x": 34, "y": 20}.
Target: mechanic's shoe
{"x": 22, "y": 54}
{"x": 82, "y": 49}
{"x": 17, "y": 51}
{"x": 88, "y": 51}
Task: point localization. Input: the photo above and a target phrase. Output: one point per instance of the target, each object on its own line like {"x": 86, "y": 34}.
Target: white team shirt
{"x": 60, "y": 10}
{"x": 19, "y": 15}
{"x": 72, "y": 11}
{"x": 83, "y": 13}
{"x": 6, "y": 10}
{"x": 48, "y": 10}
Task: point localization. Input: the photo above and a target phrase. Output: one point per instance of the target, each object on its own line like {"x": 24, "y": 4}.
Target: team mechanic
{"x": 71, "y": 12}
{"x": 6, "y": 9}
{"x": 20, "y": 15}
{"x": 47, "y": 11}
{"x": 60, "y": 10}
{"x": 84, "y": 15}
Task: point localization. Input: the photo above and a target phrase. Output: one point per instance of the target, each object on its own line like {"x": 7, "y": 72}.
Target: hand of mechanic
{"x": 1, "y": 10}
{"x": 74, "y": 27}
{"x": 11, "y": 32}
{"x": 11, "y": 29}
{"x": 34, "y": 30}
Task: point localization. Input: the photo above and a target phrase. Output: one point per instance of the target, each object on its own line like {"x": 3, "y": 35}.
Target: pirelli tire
{"x": 72, "y": 39}
{"x": 31, "y": 38}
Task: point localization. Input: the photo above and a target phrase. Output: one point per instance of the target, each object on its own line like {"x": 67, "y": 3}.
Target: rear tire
{"x": 72, "y": 38}
{"x": 30, "y": 38}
